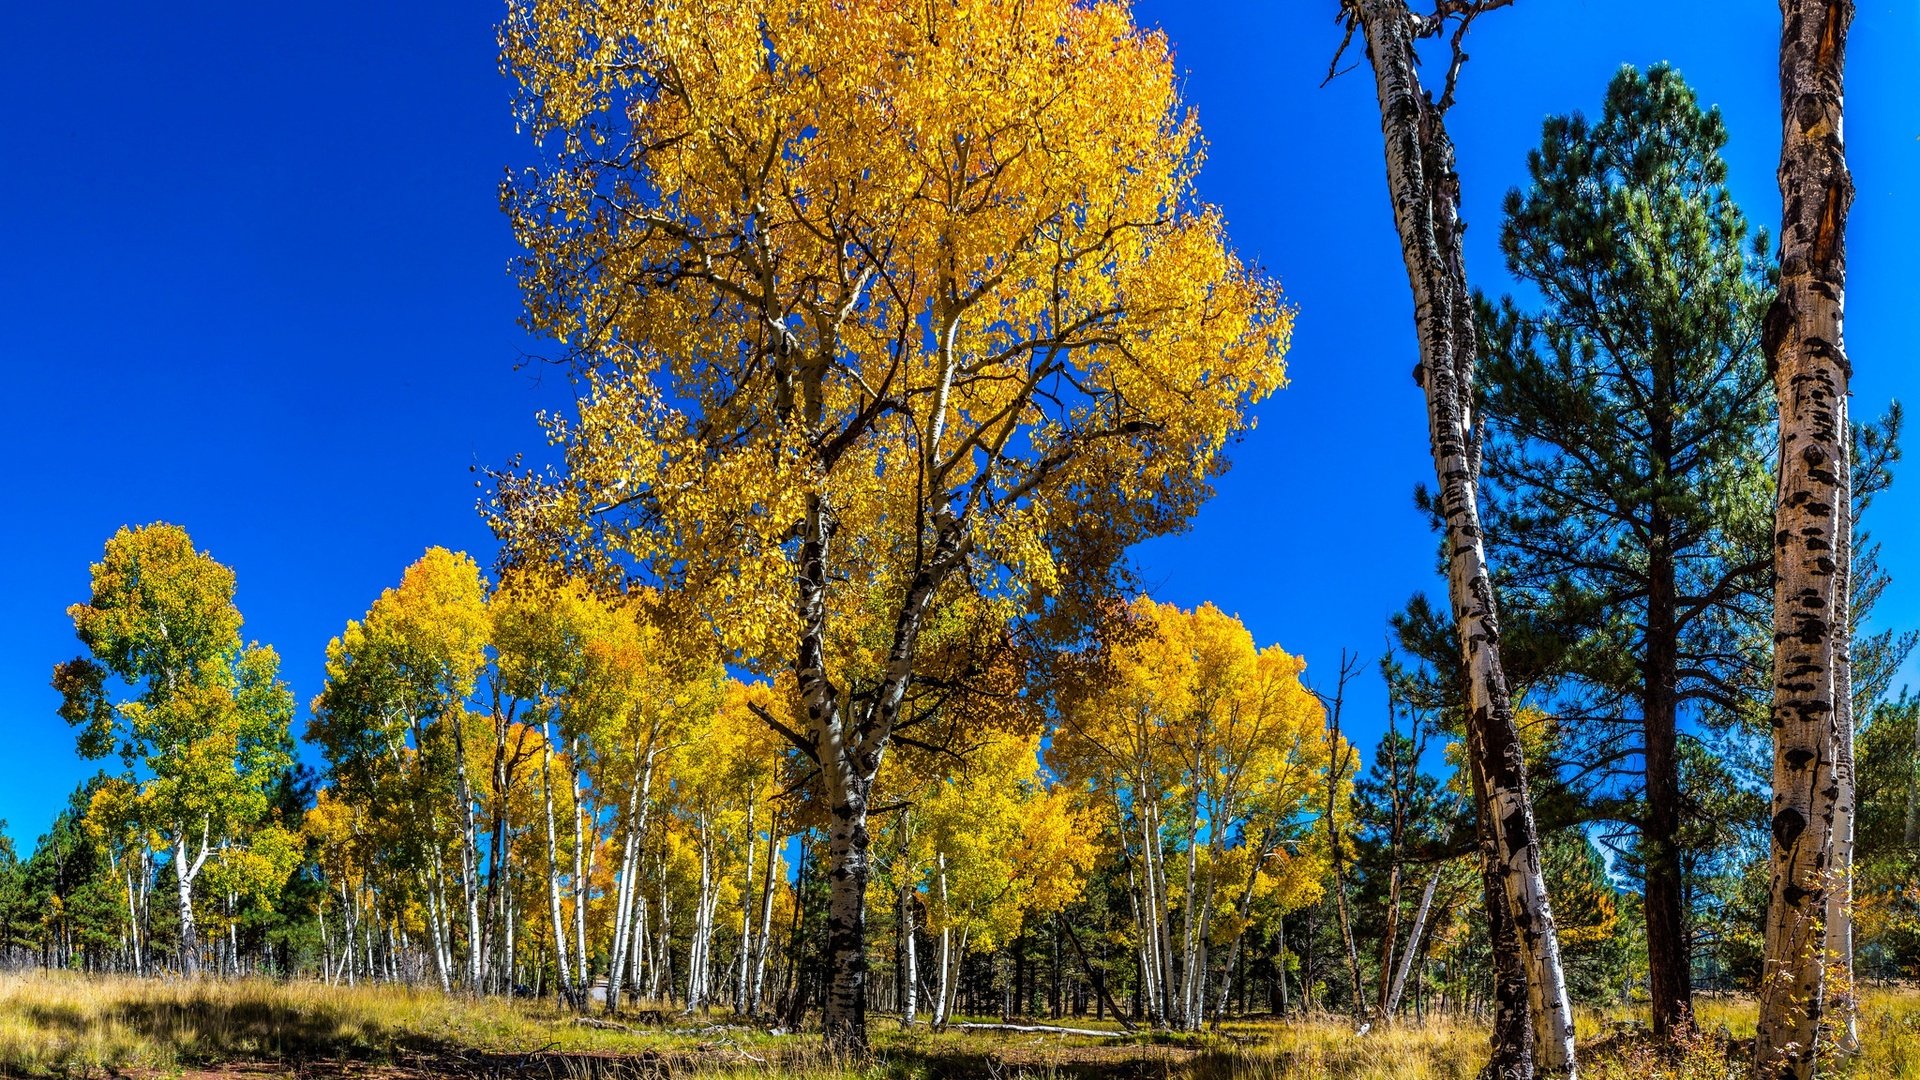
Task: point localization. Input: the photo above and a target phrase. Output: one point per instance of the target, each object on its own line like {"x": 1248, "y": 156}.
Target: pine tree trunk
{"x": 1425, "y": 195}
{"x": 1812, "y": 532}
{"x": 1335, "y": 844}
{"x": 1669, "y": 981}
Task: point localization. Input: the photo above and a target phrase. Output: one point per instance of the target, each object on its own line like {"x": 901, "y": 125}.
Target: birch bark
{"x": 1425, "y": 194}
{"x": 1392, "y": 1003}
{"x": 1812, "y": 536}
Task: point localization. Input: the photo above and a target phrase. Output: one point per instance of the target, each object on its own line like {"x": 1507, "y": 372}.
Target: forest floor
{"x": 73, "y": 1026}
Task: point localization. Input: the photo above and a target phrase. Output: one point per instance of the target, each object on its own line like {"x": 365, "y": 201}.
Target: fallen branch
{"x": 606, "y": 1025}
{"x": 1043, "y": 1029}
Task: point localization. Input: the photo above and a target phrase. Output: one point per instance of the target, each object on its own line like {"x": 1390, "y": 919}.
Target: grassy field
{"x": 63, "y": 1025}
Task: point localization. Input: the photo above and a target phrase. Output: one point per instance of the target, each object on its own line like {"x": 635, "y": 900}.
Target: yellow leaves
{"x": 160, "y": 610}
{"x": 1189, "y": 705}
{"x": 909, "y": 260}
{"x": 208, "y": 731}
{"x": 1055, "y": 853}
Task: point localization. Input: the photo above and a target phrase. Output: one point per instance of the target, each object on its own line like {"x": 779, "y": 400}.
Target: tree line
{"x": 814, "y": 677}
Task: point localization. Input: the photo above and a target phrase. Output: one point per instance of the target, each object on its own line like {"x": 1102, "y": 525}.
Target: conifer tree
{"x": 1627, "y": 460}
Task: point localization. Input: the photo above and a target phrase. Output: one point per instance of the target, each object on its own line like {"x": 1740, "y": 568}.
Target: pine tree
{"x": 1627, "y": 460}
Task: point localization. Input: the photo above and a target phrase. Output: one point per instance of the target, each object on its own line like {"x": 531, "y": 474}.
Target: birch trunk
{"x": 909, "y": 960}
{"x": 746, "y": 920}
{"x": 1425, "y": 194}
{"x": 946, "y": 944}
{"x": 133, "y": 921}
{"x": 469, "y": 851}
{"x": 620, "y": 950}
{"x": 701, "y": 943}
{"x": 582, "y": 877}
{"x": 435, "y": 923}
{"x": 763, "y": 945}
{"x": 1392, "y": 1004}
{"x": 1511, "y": 1042}
{"x": 561, "y": 973}
{"x": 1812, "y": 533}
{"x": 1843, "y": 995}
{"x": 185, "y": 873}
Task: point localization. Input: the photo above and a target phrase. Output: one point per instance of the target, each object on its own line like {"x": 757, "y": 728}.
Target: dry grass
{"x": 65, "y": 1025}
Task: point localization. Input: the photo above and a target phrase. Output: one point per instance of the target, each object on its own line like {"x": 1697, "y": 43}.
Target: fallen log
{"x": 606, "y": 1025}
{"x": 1042, "y": 1029}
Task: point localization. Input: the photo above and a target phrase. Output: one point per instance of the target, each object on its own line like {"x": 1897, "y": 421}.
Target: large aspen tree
{"x": 872, "y": 308}
{"x": 1813, "y": 530}
{"x": 1425, "y": 190}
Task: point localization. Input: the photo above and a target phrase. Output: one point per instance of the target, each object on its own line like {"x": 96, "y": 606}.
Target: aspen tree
{"x": 873, "y": 307}
{"x": 1425, "y": 192}
{"x": 208, "y": 726}
{"x": 1813, "y": 531}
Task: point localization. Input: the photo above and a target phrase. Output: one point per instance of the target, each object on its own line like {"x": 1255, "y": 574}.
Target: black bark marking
{"x": 1788, "y": 824}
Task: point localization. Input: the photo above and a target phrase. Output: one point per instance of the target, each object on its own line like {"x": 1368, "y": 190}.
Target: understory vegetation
{"x": 69, "y": 1025}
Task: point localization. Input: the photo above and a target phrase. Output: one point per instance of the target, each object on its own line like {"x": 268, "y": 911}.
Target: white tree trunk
{"x": 185, "y": 873}
{"x": 1413, "y": 946}
{"x": 762, "y": 946}
{"x": 1812, "y": 537}
{"x": 1425, "y": 195}
{"x": 583, "y": 853}
{"x": 561, "y": 968}
{"x": 946, "y": 943}
{"x": 744, "y": 961}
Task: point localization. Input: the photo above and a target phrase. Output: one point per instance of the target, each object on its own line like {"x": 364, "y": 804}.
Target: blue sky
{"x": 254, "y": 282}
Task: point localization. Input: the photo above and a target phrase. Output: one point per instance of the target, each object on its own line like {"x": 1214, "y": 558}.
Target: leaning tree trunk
{"x": 1812, "y": 532}
{"x": 1392, "y": 1004}
{"x": 1425, "y": 190}
{"x": 1511, "y": 1040}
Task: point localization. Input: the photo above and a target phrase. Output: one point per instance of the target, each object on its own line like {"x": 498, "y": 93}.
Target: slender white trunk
{"x": 1413, "y": 946}
{"x": 582, "y": 876}
{"x": 946, "y": 941}
{"x": 562, "y": 973}
{"x": 133, "y": 920}
{"x": 441, "y": 961}
{"x": 762, "y": 945}
{"x": 623, "y": 897}
{"x": 746, "y": 919}
{"x": 701, "y": 942}
{"x": 189, "y": 941}
{"x": 909, "y": 960}
{"x": 469, "y": 851}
